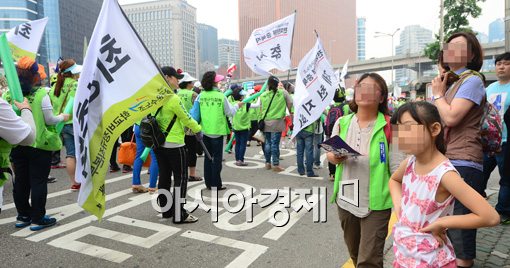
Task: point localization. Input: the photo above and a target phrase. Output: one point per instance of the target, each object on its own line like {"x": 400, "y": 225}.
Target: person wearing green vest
{"x": 241, "y": 124}
{"x": 361, "y": 183}
{"x": 188, "y": 96}
{"x": 211, "y": 109}
{"x": 172, "y": 156}
{"x": 273, "y": 107}
{"x": 63, "y": 90}
{"x": 32, "y": 163}
{"x": 13, "y": 130}
{"x": 254, "y": 117}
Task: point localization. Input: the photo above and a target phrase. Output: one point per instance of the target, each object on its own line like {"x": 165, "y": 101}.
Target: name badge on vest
{"x": 382, "y": 150}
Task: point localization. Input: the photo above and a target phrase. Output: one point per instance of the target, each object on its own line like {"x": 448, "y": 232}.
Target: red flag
{"x": 231, "y": 69}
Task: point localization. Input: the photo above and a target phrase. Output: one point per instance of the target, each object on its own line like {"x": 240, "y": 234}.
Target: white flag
{"x": 316, "y": 83}
{"x": 341, "y": 76}
{"x": 269, "y": 47}
{"x": 25, "y": 38}
{"x": 119, "y": 85}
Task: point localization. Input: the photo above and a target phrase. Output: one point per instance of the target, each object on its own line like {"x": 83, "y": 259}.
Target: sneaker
{"x": 189, "y": 219}
{"x": 126, "y": 169}
{"x": 114, "y": 169}
{"x": 45, "y": 222}
{"x": 51, "y": 179}
{"x": 75, "y": 187}
{"x": 278, "y": 169}
{"x": 317, "y": 167}
{"x": 268, "y": 166}
{"x": 238, "y": 163}
{"x": 243, "y": 164}
{"x": 23, "y": 221}
{"x": 505, "y": 220}
{"x": 332, "y": 177}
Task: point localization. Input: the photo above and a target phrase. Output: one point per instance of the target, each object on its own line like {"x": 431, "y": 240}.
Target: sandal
{"x": 139, "y": 189}
{"x": 189, "y": 219}
{"x": 195, "y": 178}
{"x": 152, "y": 190}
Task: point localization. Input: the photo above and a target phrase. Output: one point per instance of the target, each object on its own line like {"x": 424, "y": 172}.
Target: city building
{"x": 52, "y": 32}
{"x": 208, "y": 43}
{"x": 169, "y": 30}
{"x": 228, "y": 52}
{"x": 497, "y": 31}
{"x": 16, "y": 12}
{"x": 77, "y": 21}
{"x": 482, "y": 38}
{"x": 413, "y": 39}
{"x": 335, "y": 22}
{"x": 361, "y": 31}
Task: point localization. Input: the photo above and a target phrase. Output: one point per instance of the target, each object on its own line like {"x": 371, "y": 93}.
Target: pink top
{"x": 419, "y": 208}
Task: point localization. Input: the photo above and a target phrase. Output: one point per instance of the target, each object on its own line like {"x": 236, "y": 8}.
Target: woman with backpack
{"x": 172, "y": 155}
{"x": 461, "y": 107}
{"x": 364, "y": 220}
{"x": 335, "y": 111}
{"x": 273, "y": 106}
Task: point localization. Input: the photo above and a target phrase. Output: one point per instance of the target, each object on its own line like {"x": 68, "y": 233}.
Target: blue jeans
{"x": 272, "y": 147}
{"x": 241, "y": 140}
{"x": 137, "y": 166}
{"x": 68, "y": 137}
{"x": 304, "y": 146}
{"x": 317, "y": 139}
{"x": 212, "y": 168}
{"x": 489, "y": 164}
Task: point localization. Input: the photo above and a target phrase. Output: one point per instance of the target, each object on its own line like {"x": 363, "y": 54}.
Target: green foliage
{"x": 456, "y": 17}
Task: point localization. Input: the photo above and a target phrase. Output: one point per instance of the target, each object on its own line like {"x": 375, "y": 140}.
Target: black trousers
{"x": 172, "y": 161}
{"x": 31, "y": 170}
{"x": 191, "y": 145}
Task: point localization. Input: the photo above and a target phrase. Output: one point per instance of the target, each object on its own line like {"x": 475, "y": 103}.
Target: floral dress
{"x": 418, "y": 209}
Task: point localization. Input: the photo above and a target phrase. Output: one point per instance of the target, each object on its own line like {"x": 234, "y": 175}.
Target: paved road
{"x": 133, "y": 235}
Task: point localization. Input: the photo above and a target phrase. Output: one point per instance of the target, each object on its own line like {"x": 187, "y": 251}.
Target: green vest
{"x": 67, "y": 91}
{"x": 379, "y": 192}
{"x": 186, "y": 97}
{"x": 241, "y": 119}
{"x": 46, "y": 137}
{"x": 172, "y": 108}
{"x": 277, "y": 108}
{"x": 254, "y": 113}
{"x": 5, "y": 151}
{"x": 212, "y": 113}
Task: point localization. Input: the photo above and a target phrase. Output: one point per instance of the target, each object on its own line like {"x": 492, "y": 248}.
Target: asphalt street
{"x": 132, "y": 234}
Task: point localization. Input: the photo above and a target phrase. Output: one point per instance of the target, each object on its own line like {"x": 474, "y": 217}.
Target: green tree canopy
{"x": 456, "y": 17}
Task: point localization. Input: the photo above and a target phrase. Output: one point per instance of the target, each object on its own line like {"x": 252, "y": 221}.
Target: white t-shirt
{"x": 12, "y": 128}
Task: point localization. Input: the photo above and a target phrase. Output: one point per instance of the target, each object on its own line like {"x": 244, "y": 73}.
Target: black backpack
{"x": 150, "y": 133}
{"x": 334, "y": 113}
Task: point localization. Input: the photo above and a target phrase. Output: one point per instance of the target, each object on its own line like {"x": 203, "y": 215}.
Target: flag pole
{"x": 292, "y": 45}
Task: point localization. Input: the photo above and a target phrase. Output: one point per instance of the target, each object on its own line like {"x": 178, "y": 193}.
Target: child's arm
{"x": 483, "y": 214}
{"x": 395, "y": 185}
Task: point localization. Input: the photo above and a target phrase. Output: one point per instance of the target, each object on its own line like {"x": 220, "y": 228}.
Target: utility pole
{"x": 507, "y": 25}
{"x": 441, "y": 22}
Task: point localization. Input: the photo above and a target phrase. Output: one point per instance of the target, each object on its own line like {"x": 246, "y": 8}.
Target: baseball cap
{"x": 75, "y": 69}
{"x": 187, "y": 78}
{"x": 218, "y": 78}
{"x": 170, "y": 71}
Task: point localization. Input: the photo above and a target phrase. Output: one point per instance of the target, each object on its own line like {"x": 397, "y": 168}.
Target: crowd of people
{"x": 424, "y": 161}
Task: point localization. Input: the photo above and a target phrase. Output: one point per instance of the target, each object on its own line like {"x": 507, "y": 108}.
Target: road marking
{"x": 68, "y": 191}
{"x": 250, "y": 251}
{"x": 70, "y": 242}
{"x": 393, "y": 220}
{"x": 257, "y": 165}
{"x": 134, "y": 201}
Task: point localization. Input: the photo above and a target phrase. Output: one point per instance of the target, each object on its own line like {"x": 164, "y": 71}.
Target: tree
{"x": 455, "y": 20}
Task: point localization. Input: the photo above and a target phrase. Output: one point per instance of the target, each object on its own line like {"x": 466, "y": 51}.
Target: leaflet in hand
{"x": 339, "y": 147}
